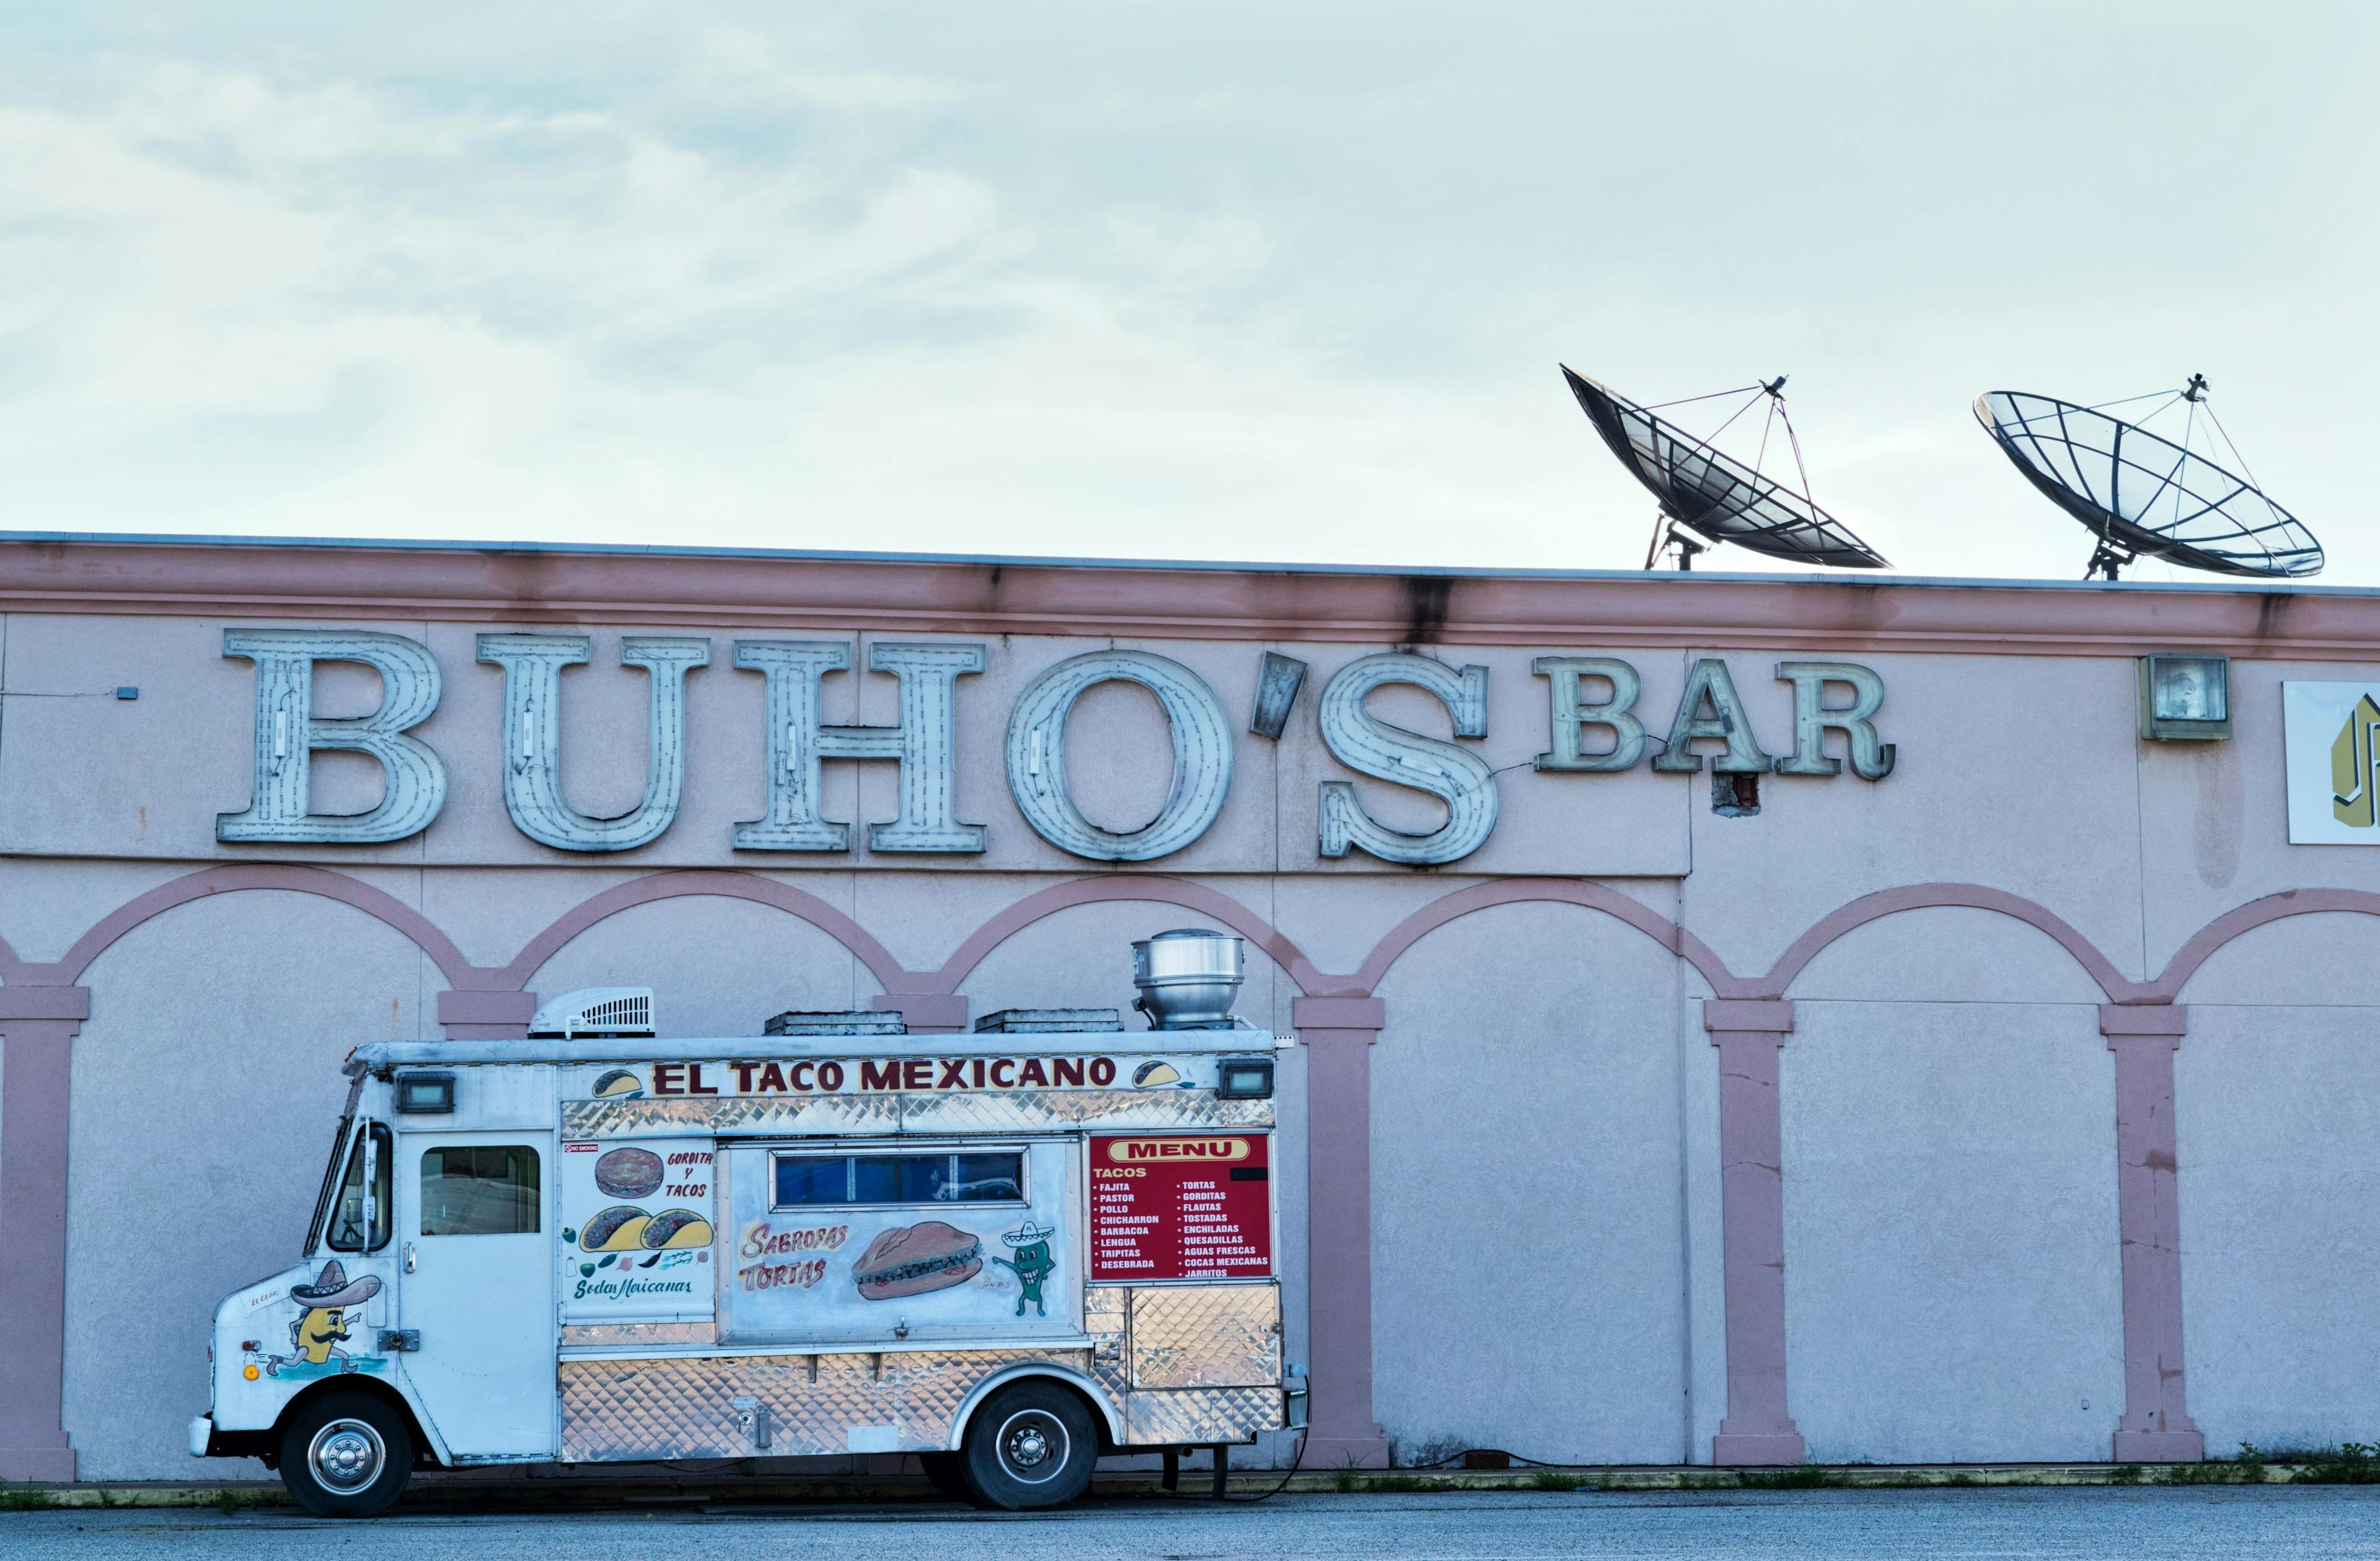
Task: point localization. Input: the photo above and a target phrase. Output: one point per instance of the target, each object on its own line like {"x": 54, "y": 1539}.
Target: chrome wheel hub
{"x": 1032, "y": 1447}
{"x": 347, "y": 1455}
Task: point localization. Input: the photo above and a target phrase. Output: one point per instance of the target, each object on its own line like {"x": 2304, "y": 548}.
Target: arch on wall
{"x": 460, "y": 974}
{"x": 2210, "y": 938}
{"x": 696, "y": 883}
{"x": 1209, "y": 903}
{"x": 1510, "y": 891}
{"x": 377, "y": 903}
{"x": 1946, "y": 896}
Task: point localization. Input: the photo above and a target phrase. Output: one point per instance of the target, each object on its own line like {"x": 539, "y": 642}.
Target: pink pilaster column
{"x": 1748, "y": 1034}
{"x": 37, "y": 1028}
{"x": 2157, "y": 1427}
{"x": 473, "y": 1014}
{"x": 1338, "y": 1033}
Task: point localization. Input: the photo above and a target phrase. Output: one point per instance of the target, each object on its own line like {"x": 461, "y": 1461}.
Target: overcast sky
{"x": 1278, "y": 281}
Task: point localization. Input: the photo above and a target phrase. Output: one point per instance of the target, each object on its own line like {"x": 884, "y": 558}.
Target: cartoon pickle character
{"x": 319, "y": 1331}
{"x": 1033, "y": 1263}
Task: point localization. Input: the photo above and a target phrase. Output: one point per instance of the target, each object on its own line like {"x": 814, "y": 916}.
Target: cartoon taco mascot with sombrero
{"x": 1033, "y": 1265}
{"x": 321, "y": 1327}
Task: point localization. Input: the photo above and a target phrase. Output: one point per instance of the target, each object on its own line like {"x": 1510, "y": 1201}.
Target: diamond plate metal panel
{"x": 1030, "y": 1110}
{"x": 1201, "y": 1414}
{"x": 1007, "y": 1111}
{"x": 1206, "y": 1336}
{"x": 1107, "y": 1313}
{"x": 1105, "y": 1307}
{"x": 686, "y": 1408}
{"x": 629, "y": 1334}
{"x": 645, "y": 1410}
{"x": 789, "y": 1114}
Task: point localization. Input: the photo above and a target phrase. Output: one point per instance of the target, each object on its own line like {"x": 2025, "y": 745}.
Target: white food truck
{"x": 1009, "y": 1253}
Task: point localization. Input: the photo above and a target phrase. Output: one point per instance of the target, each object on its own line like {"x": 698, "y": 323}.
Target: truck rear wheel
{"x": 347, "y": 1455}
{"x": 1032, "y": 1444}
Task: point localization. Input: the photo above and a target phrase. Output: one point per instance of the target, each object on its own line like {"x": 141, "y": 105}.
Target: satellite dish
{"x": 1711, "y": 493}
{"x": 2144, "y": 496}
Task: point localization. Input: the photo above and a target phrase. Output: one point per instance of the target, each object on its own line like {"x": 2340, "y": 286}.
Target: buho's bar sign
{"x": 1585, "y": 694}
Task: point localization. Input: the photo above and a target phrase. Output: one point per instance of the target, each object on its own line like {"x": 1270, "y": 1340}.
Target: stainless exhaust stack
{"x": 1187, "y": 979}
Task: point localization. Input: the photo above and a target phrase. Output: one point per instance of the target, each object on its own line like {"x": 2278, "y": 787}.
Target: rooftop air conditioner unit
{"x": 602, "y": 1013}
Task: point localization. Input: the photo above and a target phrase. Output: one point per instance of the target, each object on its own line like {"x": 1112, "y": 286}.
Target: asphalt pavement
{"x": 2171, "y": 1525}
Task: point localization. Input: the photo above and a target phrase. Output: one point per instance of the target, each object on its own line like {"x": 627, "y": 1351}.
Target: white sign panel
{"x": 2331, "y": 732}
{"x": 835, "y": 1242}
{"x": 636, "y": 1237}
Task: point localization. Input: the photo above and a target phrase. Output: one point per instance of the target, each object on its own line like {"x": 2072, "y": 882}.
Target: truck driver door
{"x": 474, "y": 1217}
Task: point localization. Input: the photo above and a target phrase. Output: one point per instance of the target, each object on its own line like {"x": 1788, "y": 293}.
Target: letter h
{"x": 923, "y": 745}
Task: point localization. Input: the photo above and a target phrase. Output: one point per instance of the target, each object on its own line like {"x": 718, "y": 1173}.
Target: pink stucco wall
{"x": 1862, "y": 1128}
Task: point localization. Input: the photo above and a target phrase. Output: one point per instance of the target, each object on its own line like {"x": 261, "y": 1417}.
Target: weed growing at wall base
{"x": 1802, "y": 1477}
{"x": 2349, "y": 1463}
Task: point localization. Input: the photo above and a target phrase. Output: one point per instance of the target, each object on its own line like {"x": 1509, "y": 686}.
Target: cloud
{"x": 1251, "y": 285}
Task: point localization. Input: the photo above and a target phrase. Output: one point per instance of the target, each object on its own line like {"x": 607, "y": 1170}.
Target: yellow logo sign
{"x": 2354, "y": 781}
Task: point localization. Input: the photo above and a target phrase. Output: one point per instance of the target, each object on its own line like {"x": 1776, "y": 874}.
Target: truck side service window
{"x": 861, "y": 1179}
{"x": 479, "y": 1190}
{"x": 350, "y": 1230}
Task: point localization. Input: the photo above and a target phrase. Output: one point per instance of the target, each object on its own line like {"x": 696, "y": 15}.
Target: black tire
{"x": 347, "y": 1455}
{"x": 1031, "y": 1444}
{"x": 944, "y": 1473}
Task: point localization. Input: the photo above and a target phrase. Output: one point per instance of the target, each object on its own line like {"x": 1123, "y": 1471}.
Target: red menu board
{"x": 1176, "y": 1206}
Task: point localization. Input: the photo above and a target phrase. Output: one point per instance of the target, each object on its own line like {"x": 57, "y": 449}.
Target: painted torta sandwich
{"x": 914, "y": 1259}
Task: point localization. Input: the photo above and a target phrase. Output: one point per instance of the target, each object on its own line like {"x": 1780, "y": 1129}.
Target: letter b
{"x": 287, "y": 733}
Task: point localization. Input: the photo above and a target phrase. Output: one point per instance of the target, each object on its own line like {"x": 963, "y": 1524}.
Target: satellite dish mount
{"x": 1709, "y": 497}
{"x": 2105, "y": 559}
{"x": 1668, "y": 538}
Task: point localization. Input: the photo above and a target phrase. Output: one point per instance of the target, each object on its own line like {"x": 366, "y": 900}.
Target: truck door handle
{"x": 408, "y": 1257}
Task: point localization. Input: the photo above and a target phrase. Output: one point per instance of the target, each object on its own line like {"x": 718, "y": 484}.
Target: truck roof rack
{"x": 1049, "y": 1021}
{"x": 849, "y": 1021}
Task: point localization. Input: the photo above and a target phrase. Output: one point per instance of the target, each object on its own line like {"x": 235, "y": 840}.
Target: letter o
{"x": 1202, "y": 755}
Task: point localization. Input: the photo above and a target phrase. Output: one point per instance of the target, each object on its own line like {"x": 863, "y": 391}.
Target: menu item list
{"x": 1168, "y": 1206}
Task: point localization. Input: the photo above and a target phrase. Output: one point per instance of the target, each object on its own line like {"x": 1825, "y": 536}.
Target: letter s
{"x": 1369, "y": 746}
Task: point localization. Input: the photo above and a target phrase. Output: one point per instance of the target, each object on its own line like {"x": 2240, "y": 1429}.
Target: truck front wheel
{"x": 347, "y": 1455}
{"x": 1032, "y": 1444}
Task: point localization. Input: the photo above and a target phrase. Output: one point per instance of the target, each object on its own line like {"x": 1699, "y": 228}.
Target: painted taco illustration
{"x": 1155, "y": 1075}
{"x": 914, "y": 1259}
{"x": 628, "y": 1173}
{"x": 675, "y": 1230}
{"x": 618, "y": 1084}
{"x": 616, "y": 1230}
